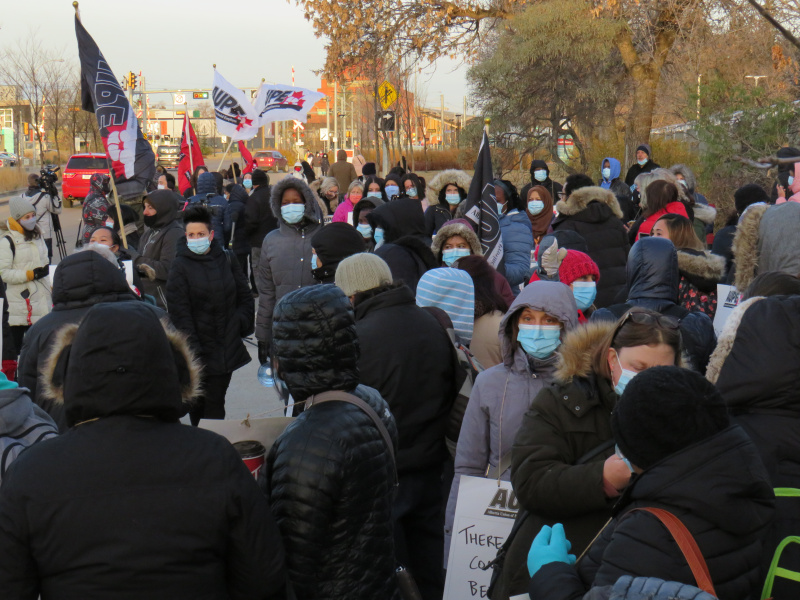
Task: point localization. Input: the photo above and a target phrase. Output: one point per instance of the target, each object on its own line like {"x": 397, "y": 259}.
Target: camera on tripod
{"x": 47, "y": 180}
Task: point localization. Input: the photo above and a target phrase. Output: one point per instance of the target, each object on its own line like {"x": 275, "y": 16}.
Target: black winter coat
{"x": 755, "y": 370}
{"x": 210, "y": 301}
{"x": 436, "y": 216}
{"x": 653, "y": 283}
{"x": 595, "y": 214}
{"x": 636, "y": 169}
{"x": 236, "y": 222}
{"x": 421, "y": 388}
{"x": 717, "y": 487}
{"x": 551, "y": 186}
{"x": 259, "y": 220}
{"x": 80, "y": 281}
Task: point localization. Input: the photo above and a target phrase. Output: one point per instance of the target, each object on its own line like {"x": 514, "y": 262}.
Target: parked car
{"x": 168, "y": 156}
{"x": 79, "y": 169}
{"x": 271, "y": 160}
{"x": 7, "y": 159}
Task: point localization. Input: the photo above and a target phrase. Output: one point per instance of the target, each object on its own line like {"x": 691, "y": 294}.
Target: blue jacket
{"x": 616, "y": 169}
{"x": 206, "y": 184}
{"x": 517, "y": 234}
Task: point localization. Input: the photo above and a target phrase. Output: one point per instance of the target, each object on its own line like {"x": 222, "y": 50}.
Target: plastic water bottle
{"x": 265, "y": 375}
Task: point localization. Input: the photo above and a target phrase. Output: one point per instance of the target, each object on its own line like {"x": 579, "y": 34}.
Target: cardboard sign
{"x": 128, "y": 265}
{"x": 728, "y": 298}
{"x": 265, "y": 430}
{"x": 485, "y": 513}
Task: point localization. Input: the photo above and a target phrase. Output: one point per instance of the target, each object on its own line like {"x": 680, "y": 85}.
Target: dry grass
{"x": 13, "y": 178}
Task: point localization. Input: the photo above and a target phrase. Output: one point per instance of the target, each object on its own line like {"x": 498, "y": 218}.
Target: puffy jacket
{"x": 210, "y": 301}
{"x": 754, "y": 368}
{"x": 503, "y": 393}
{"x": 717, "y": 487}
{"x": 236, "y": 221}
{"x": 343, "y": 212}
{"x": 553, "y": 187}
{"x": 647, "y": 588}
{"x": 207, "y": 184}
{"x": 700, "y": 272}
{"x": 258, "y": 217}
{"x": 566, "y": 421}
{"x": 80, "y": 281}
{"x": 158, "y": 244}
{"x": 654, "y": 282}
{"x": 130, "y": 501}
{"x": 28, "y": 299}
{"x": 517, "y": 235}
{"x": 330, "y": 474}
{"x": 285, "y": 263}
{"x": 595, "y": 214}
{"x": 646, "y": 226}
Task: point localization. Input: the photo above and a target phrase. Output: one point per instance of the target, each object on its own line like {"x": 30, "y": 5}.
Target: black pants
{"x": 418, "y": 515}
{"x": 17, "y": 333}
{"x": 211, "y": 405}
{"x": 49, "y": 243}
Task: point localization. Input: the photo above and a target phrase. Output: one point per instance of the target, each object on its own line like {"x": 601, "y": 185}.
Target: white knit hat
{"x": 362, "y": 272}
{"x": 19, "y": 207}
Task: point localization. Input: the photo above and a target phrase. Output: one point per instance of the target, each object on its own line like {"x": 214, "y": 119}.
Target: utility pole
{"x": 328, "y": 123}
{"x": 442, "y": 138}
{"x": 335, "y": 116}
{"x": 145, "y": 124}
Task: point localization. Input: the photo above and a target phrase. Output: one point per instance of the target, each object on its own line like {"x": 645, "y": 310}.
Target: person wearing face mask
{"x": 209, "y": 301}
{"x": 344, "y": 212}
{"x": 539, "y": 209}
{"x": 330, "y": 246}
{"x": 108, "y": 237}
{"x": 285, "y": 263}
{"x": 361, "y": 212}
{"x": 166, "y": 181}
{"x": 609, "y": 172}
{"x": 158, "y": 244}
{"x": 643, "y": 164}
{"x": 540, "y": 175}
{"x": 530, "y": 333}
{"x": 392, "y": 187}
{"x": 445, "y": 193}
{"x": 326, "y": 191}
{"x": 570, "y": 419}
{"x": 24, "y": 268}
{"x": 96, "y": 206}
{"x": 516, "y": 232}
{"x": 413, "y": 186}
{"x": 247, "y": 183}
{"x": 577, "y": 270}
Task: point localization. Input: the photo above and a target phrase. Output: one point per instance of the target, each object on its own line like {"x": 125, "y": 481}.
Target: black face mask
{"x": 150, "y": 220}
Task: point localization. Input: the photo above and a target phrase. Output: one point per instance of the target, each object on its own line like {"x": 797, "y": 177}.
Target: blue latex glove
{"x": 550, "y": 545}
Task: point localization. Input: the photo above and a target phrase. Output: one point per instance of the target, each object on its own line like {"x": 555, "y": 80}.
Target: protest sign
{"x": 728, "y": 298}
{"x": 485, "y": 513}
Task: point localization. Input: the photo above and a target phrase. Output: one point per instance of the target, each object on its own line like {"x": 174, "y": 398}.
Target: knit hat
{"x": 451, "y": 290}
{"x": 19, "y": 207}
{"x": 368, "y": 169}
{"x": 665, "y": 410}
{"x": 336, "y": 242}
{"x": 645, "y": 148}
{"x": 362, "y": 272}
{"x": 752, "y": 193}
{"x": 575, "y": 265}
{"x": 260, "y": 178}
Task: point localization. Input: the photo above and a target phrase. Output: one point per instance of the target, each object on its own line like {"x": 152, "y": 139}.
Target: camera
{"x": 47, "y": 180}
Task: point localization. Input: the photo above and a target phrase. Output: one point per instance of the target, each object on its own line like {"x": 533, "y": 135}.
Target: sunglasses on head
{"x": 645, "y": 318}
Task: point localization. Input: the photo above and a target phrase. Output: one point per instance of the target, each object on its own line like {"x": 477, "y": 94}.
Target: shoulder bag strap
{"x": 691, "y": 552}
{"x": 355, "y": 400}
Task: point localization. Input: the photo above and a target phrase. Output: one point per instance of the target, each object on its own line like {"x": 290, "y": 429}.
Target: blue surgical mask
{"x": 293, "y": 213}
{"x": 791, "y": 179}
{"x": 453, "y": 198}
{"x": 365, "y": 230}
{"x": 682, "y": 182}
{"x": 642, "y": 162}
{"x": 247, "y": 183}
{"x": 378, "y": 236}
{"x": 314, "y": 262}
{"x": 199, "y": 245}
{"x": 411, "y": 192}
{"x": 606, "y": 173}
{"x": 585, "y": 292}
{"x": 540, "y": 174}
{"x": 535, "y": 206}
{"x": 621, "y": 456}
{"x": 500, "y": 207}
{"x": 624, "y": 378}
{"x": 374, "y": 195}
{"x": 392, "y": 190}
{"x": 451, "y": 255}
{"x": 539, "y": 341}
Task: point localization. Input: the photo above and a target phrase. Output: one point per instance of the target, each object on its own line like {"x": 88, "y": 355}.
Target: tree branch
{"x": 774, "y": 22}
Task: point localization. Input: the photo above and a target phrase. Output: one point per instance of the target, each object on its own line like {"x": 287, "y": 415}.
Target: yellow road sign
{"x": 387, "y": 94}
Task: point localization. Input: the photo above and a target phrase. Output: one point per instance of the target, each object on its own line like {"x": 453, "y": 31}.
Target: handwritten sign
{"x": 728, "y": 298}
{"x": 485, "y": 513}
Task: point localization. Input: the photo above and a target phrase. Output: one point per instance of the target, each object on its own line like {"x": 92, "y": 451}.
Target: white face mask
{"x": 161, "y": 186}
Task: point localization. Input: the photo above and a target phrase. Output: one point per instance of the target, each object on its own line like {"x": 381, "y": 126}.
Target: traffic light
{"x": 132, "y": 80}
{"x": 200, "y": 96}
{"x": 25, "y": 127}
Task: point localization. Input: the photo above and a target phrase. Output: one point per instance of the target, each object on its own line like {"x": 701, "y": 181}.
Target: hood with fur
{"x": 688, "y": 176}
{"x": 454, "y": 228}
{"x": 311, "y": 207}
{"x": 575, "y": 354}
{"x": 705, "y": 213}
{"x": 442, "y": 180}
{"x": 121, "y": 360}
{"x": 579, "y": 200}
{"x": 745, "y": 244}
{"x": 703, "y": 269}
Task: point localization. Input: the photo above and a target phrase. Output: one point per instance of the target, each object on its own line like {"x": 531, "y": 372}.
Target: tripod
{"x": 62, "y": 246}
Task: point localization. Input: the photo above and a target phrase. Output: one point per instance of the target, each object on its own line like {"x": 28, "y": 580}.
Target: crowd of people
{"x": 584, "y": 369}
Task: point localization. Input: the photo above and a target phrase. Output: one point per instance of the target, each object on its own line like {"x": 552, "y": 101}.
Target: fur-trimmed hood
{"x": 575, "y": 353}
{"x": 705, "y": 213}
{"x": 443, "y": 179}
{"x": 309, "y": 198}
{"x": 121, "y": 360}
{"x": 745, "y": 245}
{"x": 696, "y": 264}
{"x": 579, "y": 200}
{"x": 688, "y": 175}
{"x": 726, "y": 339}
{"x": 454, "y": 228}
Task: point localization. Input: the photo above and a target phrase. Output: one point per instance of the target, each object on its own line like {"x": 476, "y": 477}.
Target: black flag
{"x": 481, "y": 207}
{"x": 133, "y": 162}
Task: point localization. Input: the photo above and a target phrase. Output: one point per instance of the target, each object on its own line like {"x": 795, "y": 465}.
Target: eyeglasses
{"x": 645, "y": 318}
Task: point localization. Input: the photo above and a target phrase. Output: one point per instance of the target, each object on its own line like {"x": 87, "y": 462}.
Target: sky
{"x": 174, "y": 43}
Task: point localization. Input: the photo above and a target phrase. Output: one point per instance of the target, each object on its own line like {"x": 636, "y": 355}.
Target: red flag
{"x": 191, "y": 156}
{"x": 249, "y": 161}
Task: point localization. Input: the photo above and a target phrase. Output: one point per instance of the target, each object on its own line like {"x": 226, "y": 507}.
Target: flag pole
{"x": 119, "y": 211}
{"x": 224, "y": 155}
{"x": 77, "y": 12}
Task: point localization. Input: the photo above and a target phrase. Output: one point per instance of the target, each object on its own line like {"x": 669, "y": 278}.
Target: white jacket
{"x": 45, "y": 207}
{"x": 14, "y": 267}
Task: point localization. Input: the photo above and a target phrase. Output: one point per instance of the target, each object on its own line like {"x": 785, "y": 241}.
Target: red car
{"x": 79, "y": 169}
{"x": 271, "y": 160}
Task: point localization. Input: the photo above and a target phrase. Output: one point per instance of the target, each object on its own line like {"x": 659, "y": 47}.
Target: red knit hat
{"x": 576, "y": 264}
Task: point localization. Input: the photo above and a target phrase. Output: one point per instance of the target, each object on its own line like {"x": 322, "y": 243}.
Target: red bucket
{"x": 253, "y": 454}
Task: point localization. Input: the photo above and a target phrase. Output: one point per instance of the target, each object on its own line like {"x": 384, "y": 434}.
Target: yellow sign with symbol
{"x": 387, "y": 94}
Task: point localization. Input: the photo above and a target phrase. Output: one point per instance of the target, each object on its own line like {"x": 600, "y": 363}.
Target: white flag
{"x": 284, "y": 103}
{"x": 235, "y": 115}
